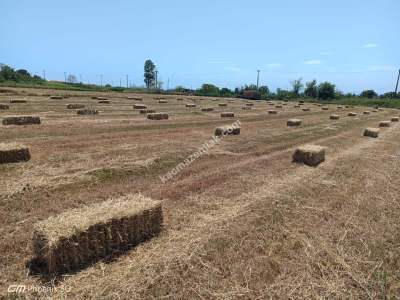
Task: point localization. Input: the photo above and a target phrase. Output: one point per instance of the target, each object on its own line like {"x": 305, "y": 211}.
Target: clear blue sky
{"x": 353, "y": 43}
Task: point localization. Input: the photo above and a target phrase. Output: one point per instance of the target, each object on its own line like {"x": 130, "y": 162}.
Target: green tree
{"x": 369, "y": 94}
{"x": 311, "y": 89}
{"x": 8, "y": 73}
{"x": 326, "y": 90}
{"x": 149, "y": 73}
{"x": 264, "y": 90}
{"x": 208, "y": 89}
{"x": 297, "y": 85}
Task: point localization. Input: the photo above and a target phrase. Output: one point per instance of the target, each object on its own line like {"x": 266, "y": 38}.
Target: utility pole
{"x": 168, "y": 84}
{"x": 127, "y": 81}
{"x": 258, "y": 77}
{"x": 120, "y": 82}
{"x": 80, "y": 78}
{"x": 156, "y": 77}
{"x": 65, "y": 77}
{"x": 44, "y": 74}
{"x": 397, "y": 84}
{"x": 101, "y": 80}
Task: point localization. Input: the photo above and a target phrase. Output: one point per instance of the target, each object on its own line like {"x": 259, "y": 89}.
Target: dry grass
{"x": 70, "y": 241}
{"x": 13, "y": 153}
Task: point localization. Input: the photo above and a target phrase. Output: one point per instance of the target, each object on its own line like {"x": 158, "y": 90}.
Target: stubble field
{"x": 241, "y": 222}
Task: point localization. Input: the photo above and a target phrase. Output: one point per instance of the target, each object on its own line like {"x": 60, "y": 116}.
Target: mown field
{"x": 241, "y": 222}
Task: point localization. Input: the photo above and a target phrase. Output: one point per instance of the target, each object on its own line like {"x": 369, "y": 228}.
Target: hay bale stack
{"x": 227, "y": 115}
{"x": 207, "y": 109}
{"x": 395, "y": 119}
{"x": 384, "y": 124}
{"x": 77, "y": 238}
{"x": 306, "y": 109}
{"x": 294, "y": 122}
{"x": 190, "y": 105}
{"x": 139, "y": 106}
{"x": 227, "y": 130}
{"x": 56, "y": 97}
{"x": 4, "y": 107}
{"x": 311, "y": 155}
{"x": 158, "y": 116}
{"x": 272, "y": 112}
{"x": 22, "y": 120}
{"x": 75, "y": 106}
{"x": 162, "y": 101}
{"x": 13, "y": 153}
{"x": 366, "y": 112}
{"x": 334, "y": 117}
{"x": 87, "y": 112}
{"x": 147, "y": 111}
{"x": 352, "y": 114}
{"x": 371, "y": 132}
{"x": 17, "y": 101}
{"x": 249, "y": 104}
{"x": 104, "y": 102}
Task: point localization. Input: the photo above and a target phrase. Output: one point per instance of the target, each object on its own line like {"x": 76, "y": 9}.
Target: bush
{"x": 326, "y": 90}
{"x": 369, "y": 94}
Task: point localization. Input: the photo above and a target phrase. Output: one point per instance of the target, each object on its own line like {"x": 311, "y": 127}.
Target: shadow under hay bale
{"x": 334, "y": 117}
{"x": 371, "y": 132}
{"x": 325, "y": 108}
{"x": 294, "y": 122}
{"x": 223, "y": 104}
{"x": 272, "y": 112}
{"x": 87, "y": 112}
{"x": 158, "y": 116}
{"x": 147, "y": 111}
{"x": 227, "y": 115}
{"x": 13, "y": 153}
{"x": 306, "y": 109}
{"x": 104, "y": 102}
{"x": 77, "y": 238}
{"x": 162, "y": 101}
{"x": 384, "y": 124}
{"x": 56, "y": 97}
{"x": 311, "y": 155}
{"x": 75, "y": 106}
{"x": 227, "y": 130}
{"x": 17, "y": 101}
{"x": 207, "y": 109}
{"x": 22, "y": 120}
{"x": 4, "y": 107}
{"x": 139, "y": 106}
{"x": 395, "y": 119}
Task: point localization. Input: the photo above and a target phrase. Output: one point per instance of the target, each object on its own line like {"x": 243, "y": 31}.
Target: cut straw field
{"x": 242, "y": 221}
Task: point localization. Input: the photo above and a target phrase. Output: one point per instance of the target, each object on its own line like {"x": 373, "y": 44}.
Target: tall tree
{"x": 149, "y": 73}
{"x": 311, "y": 89}
{"x": 297, "y": 85}
{"x": 326, "y": 90}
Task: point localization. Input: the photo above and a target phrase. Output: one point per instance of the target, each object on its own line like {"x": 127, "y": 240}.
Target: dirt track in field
{"x": 242, "y": 221}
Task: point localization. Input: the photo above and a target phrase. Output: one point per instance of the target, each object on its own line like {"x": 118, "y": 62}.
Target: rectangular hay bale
{"x": 223, "y": 104}
{"x": 13, "y": 153}
{"x": 75, "y": 106}
{"x": 334, "y": 117}
{"x": 21, "y": 120}
{"x": 311, "y": 155}
{"x": 147, "y": 111}
{"x": 384, "y": 124}
{"x": 158, "y": 116}
{"x": 87, "y": 112}
{"x": 4, "y": 107}
{"x": 190, "y": 105}
{"x": 74, "y": 239}
{"x": 272, "y": 112}
{"x": 352, "y": 114}
{"x": 395, "y": 119}
{"x": 17, "y": 101}
{"x": 56, "y": 97}
{"x": 207, "y": 109}
{"x": 227, "y": 130}
{"x": 139, "y": 106}
{"x": 371, "y": 132}
{"x": 294, "y": 122}
{"x": 227, "y": 115}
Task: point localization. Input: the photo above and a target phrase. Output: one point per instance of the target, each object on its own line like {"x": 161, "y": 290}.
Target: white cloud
{"x": 274, "y": 65}
{"x": 371, "y": 45}
{"x": 313, "y": 62}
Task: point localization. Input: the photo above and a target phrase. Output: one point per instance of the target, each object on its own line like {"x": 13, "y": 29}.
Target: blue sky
{"x": 353, "y": 43}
